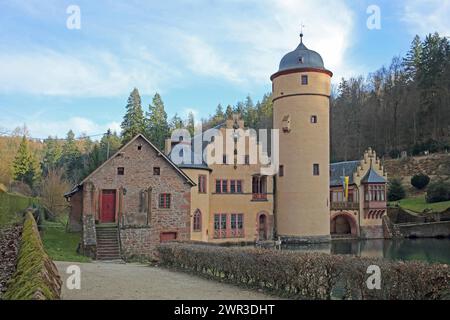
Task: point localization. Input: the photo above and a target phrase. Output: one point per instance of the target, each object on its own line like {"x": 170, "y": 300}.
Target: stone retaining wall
{"x": 36, "y": 276}
{"x": 424, "y": 230}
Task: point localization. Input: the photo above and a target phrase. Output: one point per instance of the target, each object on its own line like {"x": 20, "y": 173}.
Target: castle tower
{"x": 301, "y": 111}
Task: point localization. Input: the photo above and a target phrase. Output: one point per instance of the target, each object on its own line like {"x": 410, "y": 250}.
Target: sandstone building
{"x": 140, "y": 197}
{"x": 135, "y": 200}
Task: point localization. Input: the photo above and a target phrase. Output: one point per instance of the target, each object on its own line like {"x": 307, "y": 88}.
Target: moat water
{"x": 428, "y": 250}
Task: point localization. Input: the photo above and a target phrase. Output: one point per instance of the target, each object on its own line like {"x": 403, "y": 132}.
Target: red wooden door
{"x": 108, "y": 213}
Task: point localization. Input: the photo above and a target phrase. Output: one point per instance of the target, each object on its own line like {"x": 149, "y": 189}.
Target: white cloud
{"x": 203, "y": 59}
{"x": 424, "y": 17}
{"x": 245, "y": 48}
{"x": 94, "y": 73}
{"x": 239, "y": 42}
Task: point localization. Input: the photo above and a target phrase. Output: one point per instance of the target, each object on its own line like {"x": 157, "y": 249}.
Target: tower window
{"x": 281, "y": 171}
{"x": 316, "y": 170}
{"x": 313, "y": 119}
{"x": 286, "y": 125}
{"x": 304, "y": 80}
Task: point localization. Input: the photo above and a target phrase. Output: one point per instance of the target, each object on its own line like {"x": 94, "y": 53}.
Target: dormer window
{"x": 301, "y": 59}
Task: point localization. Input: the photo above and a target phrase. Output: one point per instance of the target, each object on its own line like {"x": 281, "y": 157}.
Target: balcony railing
{"x": 344, "y": 205}
{"x": 259, "y": 196}
{"x": 228, "y": 233}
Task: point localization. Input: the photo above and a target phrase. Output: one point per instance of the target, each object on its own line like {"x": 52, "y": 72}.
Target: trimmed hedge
{"x": 438, "y": 191}
{"x": 11, "y": 205}
{"x": 36, "y": 276}
{"x": 309, "y": 275}
{"x": 420, "y": 181}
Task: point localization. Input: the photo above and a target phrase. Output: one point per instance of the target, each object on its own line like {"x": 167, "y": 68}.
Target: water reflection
{"x": 428, "y": 250}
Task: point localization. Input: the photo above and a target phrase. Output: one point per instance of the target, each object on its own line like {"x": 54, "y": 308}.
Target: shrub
{"x": 395, "y": 190}
{"x": 430, "y": 145}
{"x": 394, "y": 154}
{"x": 438, "y": 191}
{"x": 420, "y": 181}
{"x": 308, "y": 275}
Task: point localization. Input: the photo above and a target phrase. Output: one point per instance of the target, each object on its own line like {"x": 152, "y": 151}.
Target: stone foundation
{"x": 89, "y": 247}
{"x": 305, "y": 239}
{"x": 371, "y": 232}
{"x": 138, "y": 242}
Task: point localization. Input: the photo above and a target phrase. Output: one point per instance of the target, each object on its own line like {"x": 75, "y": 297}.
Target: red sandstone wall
{"x": 141, "y": 227}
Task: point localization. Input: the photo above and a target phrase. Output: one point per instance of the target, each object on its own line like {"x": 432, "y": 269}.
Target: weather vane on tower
{"x": 301, "y": 31}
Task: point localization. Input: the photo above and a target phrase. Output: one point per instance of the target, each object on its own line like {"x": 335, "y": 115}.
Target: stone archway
{"x": 343, "y": 223}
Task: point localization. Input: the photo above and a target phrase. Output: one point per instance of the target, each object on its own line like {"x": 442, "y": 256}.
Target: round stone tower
{"x": 301, "y": 111}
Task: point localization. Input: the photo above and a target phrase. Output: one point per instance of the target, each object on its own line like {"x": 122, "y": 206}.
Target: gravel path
{"x": 113, "y": 281}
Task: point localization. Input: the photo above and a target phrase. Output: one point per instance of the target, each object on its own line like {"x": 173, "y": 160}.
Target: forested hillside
{"x": 402, "y": 107}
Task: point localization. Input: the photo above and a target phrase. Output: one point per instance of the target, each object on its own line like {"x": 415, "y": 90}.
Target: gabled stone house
{"x": 135, "y": 200}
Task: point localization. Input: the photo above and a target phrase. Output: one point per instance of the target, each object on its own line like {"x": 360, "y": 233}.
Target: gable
{"x": 140, "y": 158}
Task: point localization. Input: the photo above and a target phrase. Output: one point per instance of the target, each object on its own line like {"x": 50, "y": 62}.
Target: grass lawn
{"x": 61, "y": 245}
{"x": 418, "y": 204}
{"x": 10, "y": 207}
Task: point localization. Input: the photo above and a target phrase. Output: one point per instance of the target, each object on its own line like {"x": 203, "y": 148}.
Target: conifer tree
{"x": 133, "y": 122}
{"x": 71, "y": 159}
{"x": 219, "y": 116}
{"x": 191, "y": 124}
{"x": 52, "y": 154}
{"x": 176, "y": 123}
{"x": 229, "y": 112}
{"x": 413, "y": 59}
{"x": 25, "y": 165}
{"x": 157, "y": 126}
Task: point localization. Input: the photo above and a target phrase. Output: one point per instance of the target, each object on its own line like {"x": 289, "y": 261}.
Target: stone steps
{"x": 108, "y": 246}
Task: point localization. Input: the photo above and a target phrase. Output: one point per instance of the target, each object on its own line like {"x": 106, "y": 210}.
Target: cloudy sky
{"x": 196, "y": 54}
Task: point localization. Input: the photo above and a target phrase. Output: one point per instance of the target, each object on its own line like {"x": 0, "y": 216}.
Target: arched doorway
{"x": 343, "y": 224}
{"x": 262, "y": 227}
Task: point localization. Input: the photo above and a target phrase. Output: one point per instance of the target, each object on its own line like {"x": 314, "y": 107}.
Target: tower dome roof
{"x": 301, "y": 57}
